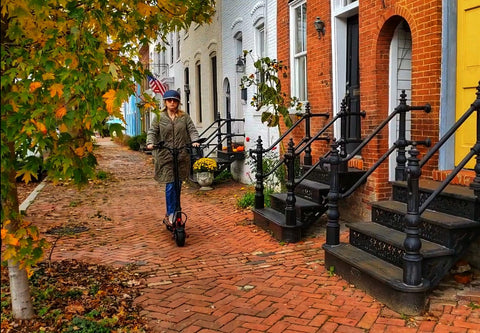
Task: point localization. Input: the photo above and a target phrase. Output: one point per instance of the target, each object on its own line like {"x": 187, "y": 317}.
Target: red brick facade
{"x": 377, "y": 23}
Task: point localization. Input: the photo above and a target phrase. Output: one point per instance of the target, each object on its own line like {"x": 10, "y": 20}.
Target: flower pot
{"x": 205, "y": 179}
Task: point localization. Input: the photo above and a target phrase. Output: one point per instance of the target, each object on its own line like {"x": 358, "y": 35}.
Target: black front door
{"x": 353, "y": 133}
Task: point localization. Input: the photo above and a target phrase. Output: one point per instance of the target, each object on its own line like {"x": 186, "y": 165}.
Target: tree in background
{"x": 66, "y": 66}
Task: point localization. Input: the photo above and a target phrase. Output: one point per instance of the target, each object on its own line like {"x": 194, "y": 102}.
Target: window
{"x": 171, "y": 49}
{"x": 178, "y": 44}
{"x": 199, "y": 92}
{"x": 298, "y": 39}
{"x": 213, "y": 60}
{"x": 260, "y": 39}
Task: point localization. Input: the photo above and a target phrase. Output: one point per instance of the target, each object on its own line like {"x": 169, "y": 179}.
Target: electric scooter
{"x": 177, "y": 228}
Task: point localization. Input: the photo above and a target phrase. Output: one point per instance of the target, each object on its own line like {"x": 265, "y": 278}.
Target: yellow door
{"x": 468, "y": 74}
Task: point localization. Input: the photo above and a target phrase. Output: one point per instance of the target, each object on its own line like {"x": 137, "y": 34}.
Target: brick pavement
{"x": 230, "y": 276}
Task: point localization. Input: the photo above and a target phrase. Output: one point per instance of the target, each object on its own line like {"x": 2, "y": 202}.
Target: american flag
{"x": 156, "y": 86}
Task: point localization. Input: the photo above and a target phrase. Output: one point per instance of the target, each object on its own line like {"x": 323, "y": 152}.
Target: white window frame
{"x": 341, "y": 10}
{"x": 296, "y": 88}
{"x": 260, "y": 43}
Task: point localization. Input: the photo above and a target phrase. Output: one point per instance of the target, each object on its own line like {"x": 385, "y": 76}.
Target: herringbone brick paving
{"x": 229, "y": 276}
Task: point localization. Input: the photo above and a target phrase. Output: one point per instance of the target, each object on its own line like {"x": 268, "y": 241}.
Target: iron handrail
{"x": 474, "y": 151}
{"x": 295, "y": 125}
{"x": 449, "y": 133}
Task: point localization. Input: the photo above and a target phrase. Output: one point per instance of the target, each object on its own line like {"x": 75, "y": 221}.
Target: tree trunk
{"x": 19, "y": 289}
{"x": 20, "y": 292}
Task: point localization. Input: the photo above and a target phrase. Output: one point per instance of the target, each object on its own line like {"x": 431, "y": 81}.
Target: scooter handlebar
{"x": 161, "y": 144}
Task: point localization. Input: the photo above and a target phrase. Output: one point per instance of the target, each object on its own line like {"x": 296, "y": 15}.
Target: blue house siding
{"x": 132, "y": 115}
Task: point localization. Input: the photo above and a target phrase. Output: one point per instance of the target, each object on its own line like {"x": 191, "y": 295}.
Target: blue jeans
{"x": 171, "y": 197}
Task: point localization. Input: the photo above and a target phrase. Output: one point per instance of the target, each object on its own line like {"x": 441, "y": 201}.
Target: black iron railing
{"x": 412, "y": 259}
{"x": 304, "y": 145}
{"x": 336, "y": 162}
{"x": 220, "y": 131}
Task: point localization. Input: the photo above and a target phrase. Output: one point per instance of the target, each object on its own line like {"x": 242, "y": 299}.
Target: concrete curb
{"x": 31, "y": 198}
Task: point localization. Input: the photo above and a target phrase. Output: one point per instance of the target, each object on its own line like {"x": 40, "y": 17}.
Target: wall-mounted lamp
{"x": 240, "y": 65}
{"x": 320, "y": 27}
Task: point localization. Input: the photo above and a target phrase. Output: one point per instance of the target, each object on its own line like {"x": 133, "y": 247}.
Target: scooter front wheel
{"x": 179, "y": 235}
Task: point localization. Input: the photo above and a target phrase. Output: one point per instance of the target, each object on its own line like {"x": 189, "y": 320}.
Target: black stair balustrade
{"x": 412, "y": 259}
{"x": 333, "y": 215}
{"x": 302, "y": 145}
{"x": 334, "y": 238}
{"x": 475, "y": 150}
{"x": 222, "y": 133}
{"x": 290, "y": 215}
{"x": 257, "y": 155}
{"x": 344, "y": 140}
{"x": 318, "y": 136}
{"x": 402, "y": 110}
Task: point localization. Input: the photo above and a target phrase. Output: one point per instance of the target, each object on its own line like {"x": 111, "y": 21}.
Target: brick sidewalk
{"x": 230, "y": 276}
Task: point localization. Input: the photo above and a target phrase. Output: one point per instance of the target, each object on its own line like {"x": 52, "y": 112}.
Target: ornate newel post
{"x": 333, "y": 227}
{"x": 229, "y": 132}
{"x": 259, "y": 199}
{"x": 412, "y": 259}
{"x": 401, "y": 141}
{"x": 342, "y": 143}
{"x": 219, "y": 132}
{"x": 290, "y": 216}
{"x": 307, "y": 158}
{"x": 475, "y": 185}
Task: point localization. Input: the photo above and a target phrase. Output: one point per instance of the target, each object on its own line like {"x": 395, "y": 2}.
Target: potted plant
{"x": 204, "y": 169}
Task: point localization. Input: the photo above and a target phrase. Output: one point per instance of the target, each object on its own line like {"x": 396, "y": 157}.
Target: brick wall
{"x": 377, "y": 23}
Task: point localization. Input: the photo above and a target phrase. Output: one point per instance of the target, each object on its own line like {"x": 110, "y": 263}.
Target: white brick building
{"x": 201, "y": 64}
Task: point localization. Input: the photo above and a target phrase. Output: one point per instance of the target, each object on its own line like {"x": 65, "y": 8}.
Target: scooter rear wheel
{"x": 179, "y": 235}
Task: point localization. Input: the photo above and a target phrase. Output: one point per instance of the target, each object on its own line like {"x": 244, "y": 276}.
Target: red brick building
{"x": 372, "y": 50}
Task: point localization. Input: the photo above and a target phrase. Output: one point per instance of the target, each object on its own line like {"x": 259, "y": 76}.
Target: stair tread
{"x": 299, "y": 201}
{"x": 313, "y": 184}
{"x": 372, "y": 265}
{"x": 396, "y": 238}
{"x": 274, "y": 215}
{"x": 452, "y": 190}
{"x": 446, "y": 220}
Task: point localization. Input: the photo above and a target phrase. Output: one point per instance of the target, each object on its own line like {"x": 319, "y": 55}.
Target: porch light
{"x": 240, "y": 65}
{"x": 320, "y": 27}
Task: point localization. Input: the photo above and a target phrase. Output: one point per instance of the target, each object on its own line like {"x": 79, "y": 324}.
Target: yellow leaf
{"x": 56, "y": 89}
{"x": 48, "y": 76}
{"x": 27, "y": 175}
{"x": 61, "y": 112}
{"x": 109, "y": 97}
{"x": 14, "y": 105}
{"x": 41, "y": 127}
{"x": 143, "y": 9}
{"x": 80, "y": 151}
{"x": 4, "y": 233}
{"x": 63, "y": 128}
{"x": 11, "y": 240}
{"x": 89, "y": 146}
{"x": 34, "y": 86}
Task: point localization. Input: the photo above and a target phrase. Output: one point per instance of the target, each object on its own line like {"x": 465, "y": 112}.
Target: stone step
{"x": 387, "y": 244}
{"x": 380, "y": 279}
{"x": 454, "y": 199}
{"x": 306, "y": 211}
{"x": 313, "y": 191}
{"x": 445, "y": 229}
{"x": 273, "y": 221}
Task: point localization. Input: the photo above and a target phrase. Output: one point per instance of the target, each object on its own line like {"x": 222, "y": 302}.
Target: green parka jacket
{"x": 174, "y": 133}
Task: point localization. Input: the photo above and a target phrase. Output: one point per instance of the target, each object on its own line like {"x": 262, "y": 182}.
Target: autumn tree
{"x": 66, "y": 66}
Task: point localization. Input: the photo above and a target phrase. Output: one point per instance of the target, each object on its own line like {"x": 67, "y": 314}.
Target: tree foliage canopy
{"x": 66, "y": 66}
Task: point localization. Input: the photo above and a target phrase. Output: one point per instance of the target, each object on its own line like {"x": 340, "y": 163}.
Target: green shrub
{"x": 137, "y": 141}
{"x": 248, "y": 199}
